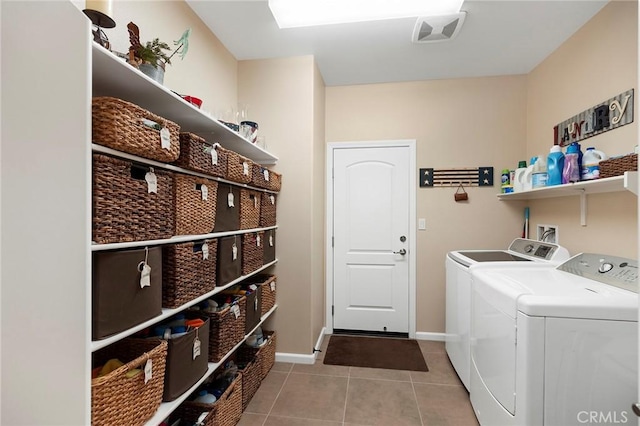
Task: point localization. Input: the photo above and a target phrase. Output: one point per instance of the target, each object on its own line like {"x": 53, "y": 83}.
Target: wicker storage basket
{"x": 252, "y": 251}
{"x": 195, "y": 206}
{"x": 198, "y": 155}
{"x": 251, "y": 375}
{"x": 120, "y": 400}
{"x": 188, "y": 271}
{"x": 263, "y": 177}
{"x": 239, "y": 168}
{"x": 269, "y": 246}
{"x": 267, "y": 210}
{"x": 226, "y": 328}
{"x": 126, "y": 127}
{"x": 226, "y": 411}
{"x": 265, "y": 354}
{"x": 617, "y": 166}
{"x": 268, "y": 293}
{"x": 249, "y": 209}
{"x": 123, "y": 208}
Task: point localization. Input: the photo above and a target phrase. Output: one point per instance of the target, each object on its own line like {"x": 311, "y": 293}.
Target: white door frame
{"x": 331, "y": 147}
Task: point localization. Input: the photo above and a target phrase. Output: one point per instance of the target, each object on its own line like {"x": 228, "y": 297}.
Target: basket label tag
{"x": 165, "y": 138}
{"x": 245, "y": 168}
{"x": 272, "y": 199}
{"x": 234, "y": 251}
{"x": 258, "y": 240}
{"x": 255, "y": 304}
{"x": 148, "y": 371}
{"x": 273, "y": 285}
{"x": 145, "y": 276}
{"x": 236, "y": 310}
{"x": 266, "y": 175}
{"x": 196, "y": 348}
{"x": 205, "y": 251}
{"x": 205, "y": 192}
{"x": 255, "y": 202}
{"x": 230, "y": 201}
{"x": 200, "y": 420}
{"x": 270, "y": 240}
{"x": 152, "y": 182}
{"x": 214, "y": 156}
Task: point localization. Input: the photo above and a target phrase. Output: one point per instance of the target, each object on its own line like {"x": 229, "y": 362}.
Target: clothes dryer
{"x": 459, "y": 263}
{"x": 555, "y": 346}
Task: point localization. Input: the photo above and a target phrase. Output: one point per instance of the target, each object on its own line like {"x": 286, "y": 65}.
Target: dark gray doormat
{"x": 375, "y": 352}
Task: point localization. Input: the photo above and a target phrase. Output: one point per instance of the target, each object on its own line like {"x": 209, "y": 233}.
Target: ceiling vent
{"x": 437, "y": 28}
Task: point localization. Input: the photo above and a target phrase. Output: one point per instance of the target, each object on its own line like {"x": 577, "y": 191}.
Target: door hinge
{"x": 332, "y": 310}
{"x": 333, "y": 174}
{"x": 332, "y": 241}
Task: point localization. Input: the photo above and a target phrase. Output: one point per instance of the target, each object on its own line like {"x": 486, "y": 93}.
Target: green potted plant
{"x": 151, "y": 58}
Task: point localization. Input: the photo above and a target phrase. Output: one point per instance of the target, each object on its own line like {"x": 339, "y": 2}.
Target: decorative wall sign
{"x": 615, "y": 112}
{"x": 480, "y": 176}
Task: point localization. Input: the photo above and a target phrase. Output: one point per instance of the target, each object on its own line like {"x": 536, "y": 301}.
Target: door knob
{"x": 401, "y": 252}
{"x": 636, "y": 409}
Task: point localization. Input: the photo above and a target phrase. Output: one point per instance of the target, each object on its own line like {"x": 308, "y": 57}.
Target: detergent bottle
{"x": 555, "y": 165}
{"x": 591, "y": 163}
{"x": 571, "y": 170}
{"x": 519, "y": 180}
{"x": 539, "y": 176}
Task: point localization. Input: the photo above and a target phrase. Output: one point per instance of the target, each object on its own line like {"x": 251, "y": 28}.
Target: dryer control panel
{"x": 612, "y": 270}
{"x": 538, "y": 249}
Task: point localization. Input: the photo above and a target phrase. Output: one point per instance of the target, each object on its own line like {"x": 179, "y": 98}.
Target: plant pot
{"x": 155, "y": 72}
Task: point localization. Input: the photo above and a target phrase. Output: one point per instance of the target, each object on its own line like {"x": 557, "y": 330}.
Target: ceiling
{"x": 497, "y": 38}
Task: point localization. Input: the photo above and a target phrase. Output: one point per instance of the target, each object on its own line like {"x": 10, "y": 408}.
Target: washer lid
{"x": 554, "y": 293}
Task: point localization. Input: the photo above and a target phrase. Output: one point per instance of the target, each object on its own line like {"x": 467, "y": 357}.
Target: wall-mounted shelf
{"x": 114, "y": 77}
{"x": 626, "y": 182}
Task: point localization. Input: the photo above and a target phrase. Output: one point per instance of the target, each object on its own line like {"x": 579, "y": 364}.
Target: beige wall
{"x": 456, "y": 123}
{"x": 208, "y": 70}
{"x": 281, "y": 94}
{"x": 596, "y": 63}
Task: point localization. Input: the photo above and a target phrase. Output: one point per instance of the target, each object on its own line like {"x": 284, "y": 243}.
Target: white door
{"x": 371, "y": 216}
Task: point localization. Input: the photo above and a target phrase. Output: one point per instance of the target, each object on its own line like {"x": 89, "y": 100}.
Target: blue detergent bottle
{"x": 555, "y": 165}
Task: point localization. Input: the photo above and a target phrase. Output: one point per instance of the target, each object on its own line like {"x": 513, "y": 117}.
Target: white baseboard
{"x": 302, "y": 358}
{"x": 438, "y": 337}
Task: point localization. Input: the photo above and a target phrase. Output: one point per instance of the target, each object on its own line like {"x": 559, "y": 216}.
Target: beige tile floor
{"x": 319, "y": 395}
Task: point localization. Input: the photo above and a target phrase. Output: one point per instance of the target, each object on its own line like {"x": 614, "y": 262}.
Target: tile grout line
{"x": 346, "y": 397}
{"x": 415, "y": 395}
{"x": 278, "y": 395}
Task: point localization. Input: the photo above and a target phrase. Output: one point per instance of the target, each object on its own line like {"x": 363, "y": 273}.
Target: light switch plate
{"x": 422, "y": 224}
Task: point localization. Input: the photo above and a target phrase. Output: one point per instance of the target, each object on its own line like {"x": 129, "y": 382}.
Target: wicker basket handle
{"x": 153, "y": 125}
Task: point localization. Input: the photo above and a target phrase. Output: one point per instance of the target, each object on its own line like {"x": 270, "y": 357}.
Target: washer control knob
{"x": 605, "y": 267}
{"x": 528, "y": 248}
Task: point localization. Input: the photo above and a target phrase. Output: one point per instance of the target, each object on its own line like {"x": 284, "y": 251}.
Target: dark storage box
{"x": 183, "y": 370}
{"x": 252, "y": 252}
{"x": 267, "y": 285}
{"x": 118, "y": 300}
{"x": 188, "y": 272}
{"x": 123, "y": 208}
{"x": 227, "y": 217}
{"x": 229, "y": 266}
{"x": 254, "y": 310}
{"x": 269, "y": 246}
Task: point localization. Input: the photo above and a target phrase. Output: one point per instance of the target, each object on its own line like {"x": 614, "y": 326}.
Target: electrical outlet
{"x": 548, "y": 233}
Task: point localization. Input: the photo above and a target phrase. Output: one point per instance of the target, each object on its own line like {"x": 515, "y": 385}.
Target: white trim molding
{"x": 436, "y": 337}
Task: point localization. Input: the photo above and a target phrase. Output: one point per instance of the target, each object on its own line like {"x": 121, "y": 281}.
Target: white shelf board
{"x": 166, "y": 408}
{"x": 628, "y": 181}
{"x": 112, "y": 76}
{"x": 166, "y": 313}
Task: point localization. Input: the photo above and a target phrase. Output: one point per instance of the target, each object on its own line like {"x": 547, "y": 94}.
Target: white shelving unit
{"x": 626, "y": 182}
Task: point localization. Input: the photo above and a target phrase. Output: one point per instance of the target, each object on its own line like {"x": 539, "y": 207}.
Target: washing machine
{"x": 556, "y": 346}
{"x": 521, "y": 252}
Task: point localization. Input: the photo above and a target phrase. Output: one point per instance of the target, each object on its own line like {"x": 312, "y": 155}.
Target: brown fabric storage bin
{"x": 182, "y": 370}
{"x": 269, "y": 246}
{"x": 252, "y": 251}
{"x": 267, "y": 209}
{"x": 120, "y": 400}
{"x": 229, "y": 268}
{"x": 196, "y": 155}
{"x": 194, "y": 214}
{"x": 127, "y": 127}
{"x": 227, "y": 328}
{"x": 249, "y": 209}
{"x": 226, "y": 411}
{"x": 253, "y": 309}
{"x": 227, "y": 216}
{"x": 267, "y": 285}
{"x": 263, "y": 177}
{"x": 239, "y": 168}
{"x": 187, "y": 274}
{"x": 118, "y": 300}
{"x": 123, "y": 209}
